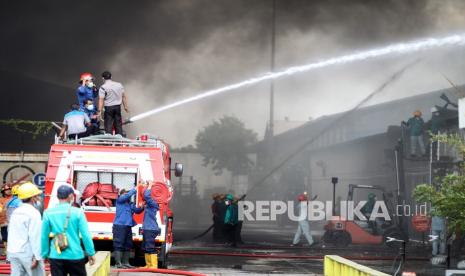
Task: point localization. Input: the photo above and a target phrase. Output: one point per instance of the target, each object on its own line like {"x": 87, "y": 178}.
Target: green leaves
{"x": 448, "y": 199}
{"x": 224, "y": 145}
{"x": 34, "y": 128}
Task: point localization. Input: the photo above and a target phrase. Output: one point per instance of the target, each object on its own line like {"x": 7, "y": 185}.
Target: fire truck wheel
{"x": 341, "y": 238}
{"x": 328, "y": 236}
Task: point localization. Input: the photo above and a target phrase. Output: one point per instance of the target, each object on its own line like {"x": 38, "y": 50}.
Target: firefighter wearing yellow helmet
{"x": 14, "y": 202}
{"x": 23, "y": 249}
{"x": 28, "y": 190}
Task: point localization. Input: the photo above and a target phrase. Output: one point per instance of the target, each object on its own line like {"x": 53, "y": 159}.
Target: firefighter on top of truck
{"x": 111, "y": 97}
{"x": 76, "y": 123}
{"x": 122, "y": 227}
{"x": 150, "y": 229}
{"x": 87, "y": 89}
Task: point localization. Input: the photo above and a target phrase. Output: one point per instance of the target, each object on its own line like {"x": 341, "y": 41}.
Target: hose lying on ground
{"x": 159, "y": 270}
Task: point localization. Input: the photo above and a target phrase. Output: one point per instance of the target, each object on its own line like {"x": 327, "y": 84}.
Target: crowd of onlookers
{"x": 61, "y": 235}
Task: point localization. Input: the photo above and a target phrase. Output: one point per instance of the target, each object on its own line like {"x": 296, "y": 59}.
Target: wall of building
{"x": 14, "y": 166}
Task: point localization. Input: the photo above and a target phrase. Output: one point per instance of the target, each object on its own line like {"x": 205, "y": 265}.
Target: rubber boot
{"x": 118, "y": 259}
{"x": 125, "y": 259}
{"x": 153, "y": 261}
{"x": 147, "y": 261}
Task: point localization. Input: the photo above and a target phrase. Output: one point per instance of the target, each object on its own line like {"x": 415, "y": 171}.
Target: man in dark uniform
{"x": 122, "y": 227}
{"x": 150, "y": 229}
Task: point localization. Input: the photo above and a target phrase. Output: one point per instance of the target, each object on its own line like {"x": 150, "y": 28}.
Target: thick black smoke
{"x": 165, "y": 50}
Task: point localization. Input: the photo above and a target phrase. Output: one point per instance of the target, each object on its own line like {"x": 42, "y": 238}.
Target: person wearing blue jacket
{"x": 150, "y": 229}
{"x": 86, "y": 89}
{"x": 122, "y": 227}
{"x": 13, "y": 203}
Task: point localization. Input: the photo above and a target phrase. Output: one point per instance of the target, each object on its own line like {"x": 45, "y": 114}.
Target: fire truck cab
{"x": 118, "y": 163}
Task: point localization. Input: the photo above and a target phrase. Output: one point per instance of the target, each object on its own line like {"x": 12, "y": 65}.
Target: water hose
{"x": 160, "y": 270}
{"x": 288, "y": 256}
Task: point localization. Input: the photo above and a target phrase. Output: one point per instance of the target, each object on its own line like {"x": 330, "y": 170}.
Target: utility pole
{"x": 273, "y": 45}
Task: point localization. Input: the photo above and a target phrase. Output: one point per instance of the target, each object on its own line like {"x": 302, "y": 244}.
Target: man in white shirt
{"x": 303, "y": 227}
{"x": 24, "y": 230}
{"x": 112, "y": 96}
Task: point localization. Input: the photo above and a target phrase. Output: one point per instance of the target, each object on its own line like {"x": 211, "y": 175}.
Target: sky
{"x": 163, "y": 51}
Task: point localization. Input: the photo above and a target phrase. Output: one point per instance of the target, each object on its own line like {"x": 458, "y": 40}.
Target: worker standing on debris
{"x": 111, "y": 96}
{"x": 6, "y": 196}
{"x": 66, "y": 223}
{"x": 122, "y": 227}
{"x": 230, "y": 220}
{"x": 303, "y": 222}
{"x": 436, "y": 122}
{"x": 23, "y": 249}
{"x": 76, "y": 123}
{"x": 150, "y": 228}
{"x": 416, "y": 125}
{"x": 436, "y": 125}
{"x": 87, "y": 89}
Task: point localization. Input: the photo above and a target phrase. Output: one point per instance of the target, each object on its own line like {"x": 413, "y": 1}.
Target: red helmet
{"x": 302, "y": 197}
{"x": 86, "y": 76}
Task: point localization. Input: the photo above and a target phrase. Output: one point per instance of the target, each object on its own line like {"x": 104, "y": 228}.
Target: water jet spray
{"x": 400, "y": 48}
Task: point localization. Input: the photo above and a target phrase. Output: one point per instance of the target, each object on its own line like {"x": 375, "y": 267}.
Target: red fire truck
{"x": 103, "y": 164}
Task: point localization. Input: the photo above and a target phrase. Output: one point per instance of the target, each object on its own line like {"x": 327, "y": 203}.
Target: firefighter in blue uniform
{"x": 122, "y": 227}
{"x": 150, "y": 229}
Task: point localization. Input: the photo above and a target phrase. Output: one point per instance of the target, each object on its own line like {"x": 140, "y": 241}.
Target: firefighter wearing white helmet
{"x": 86, "y": 90}
{"x": 25, "y": 224}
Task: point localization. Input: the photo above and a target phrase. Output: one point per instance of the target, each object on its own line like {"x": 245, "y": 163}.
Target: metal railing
{"x": 112, "y": 140}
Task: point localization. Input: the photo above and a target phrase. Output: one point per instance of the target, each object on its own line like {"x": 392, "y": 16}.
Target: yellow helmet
{"x": 14, "y": 189}
{"x": 28, "y": 190}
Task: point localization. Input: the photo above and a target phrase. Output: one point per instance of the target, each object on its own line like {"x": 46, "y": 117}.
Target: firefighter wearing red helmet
{"x": 87, "y": 89}
{"x": 303, "y": 226}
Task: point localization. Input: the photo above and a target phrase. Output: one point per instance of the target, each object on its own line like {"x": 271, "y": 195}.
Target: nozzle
{"x": 128, "y": 121}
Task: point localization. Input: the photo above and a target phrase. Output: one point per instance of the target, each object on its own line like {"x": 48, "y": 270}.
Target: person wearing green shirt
{"x": 71, "y": 260}
{"x": 416, "y": 126}
{"x": 230, "y": 220}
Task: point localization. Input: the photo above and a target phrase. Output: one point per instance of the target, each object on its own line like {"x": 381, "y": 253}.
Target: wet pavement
{"x": 203, "y": 256}
{"x": 268, "y": 251}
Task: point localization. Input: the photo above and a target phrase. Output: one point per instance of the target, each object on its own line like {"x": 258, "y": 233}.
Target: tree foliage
{"x": 34, "y": 128}
{"x": 448, "y": 199}
{"x": 223, "y": 145}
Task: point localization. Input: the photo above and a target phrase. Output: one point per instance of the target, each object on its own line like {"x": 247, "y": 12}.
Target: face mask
{"x": 90, "y": 84}
{"x": 227, "y": 203}
{"x": 90, "y": 107}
